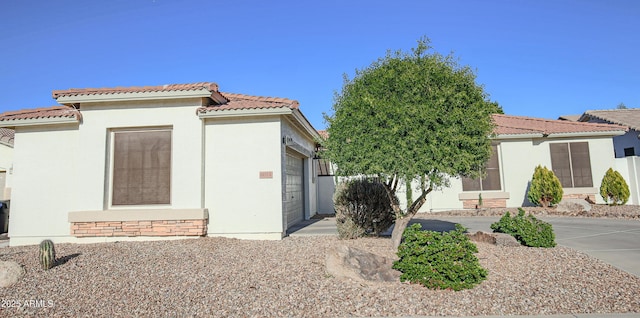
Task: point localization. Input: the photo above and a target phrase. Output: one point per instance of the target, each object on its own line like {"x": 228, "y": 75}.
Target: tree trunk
{"x": 398, "y": 229}
{"x": 402, "y": 222}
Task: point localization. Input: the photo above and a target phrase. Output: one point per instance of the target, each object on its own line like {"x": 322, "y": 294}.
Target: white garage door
{"x": 294, "y": 191}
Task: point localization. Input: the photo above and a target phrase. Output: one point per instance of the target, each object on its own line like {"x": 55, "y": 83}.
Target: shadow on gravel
{"x": 435, "y": 225}
{"x": 65, "y": 259}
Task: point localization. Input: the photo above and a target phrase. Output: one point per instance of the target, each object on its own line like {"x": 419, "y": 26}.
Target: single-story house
{"x": 171, "y": 161}
{"x": 578, "y": 153}
{"x": 6, "y": 162}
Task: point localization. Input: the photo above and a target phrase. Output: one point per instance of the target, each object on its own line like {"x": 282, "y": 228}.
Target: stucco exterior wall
{"x": 44, "y": 184}
{"x": 75, "y": 175}
{"x": 629, "y": 168}
{"x": 628, "y": 140}
{"x": 518, "y": 159}
{"x": 241, "y": 201}
{"x": 186, "y": 155}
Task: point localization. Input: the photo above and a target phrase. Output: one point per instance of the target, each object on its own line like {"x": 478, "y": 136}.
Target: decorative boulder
{"x": 573, "y": 206}
{"x": 10, "y": 273}
{"x": 344, "y": 261}
{"x": 499, "y": 239}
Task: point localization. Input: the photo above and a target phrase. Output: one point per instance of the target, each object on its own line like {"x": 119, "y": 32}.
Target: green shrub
{"x": 362, "y": 207}
{"x": 439, "y": 260}
{"x": 545, "y": 187}
{"x": 614, "y": 188}
{"x": 527, "y": 229}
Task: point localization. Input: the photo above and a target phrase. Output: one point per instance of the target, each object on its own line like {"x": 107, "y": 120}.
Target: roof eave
{"x": 297, "y": 114}
{"x": 588, "y": 134}
{"x": 135, "y": 96}
{"x": 517, "y": 136}
{"x": 245, "y": 112}
{"x": 562, "y": 135}
{"x": 38, "y": 122}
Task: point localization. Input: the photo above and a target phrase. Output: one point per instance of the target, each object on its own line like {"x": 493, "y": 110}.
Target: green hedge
{"x": 439, "y": 260}
{"x": 527, "y": 229}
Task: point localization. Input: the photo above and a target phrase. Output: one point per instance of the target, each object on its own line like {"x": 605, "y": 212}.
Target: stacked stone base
{"x": 486, "y": 203}
{"x": 140, "y": 228}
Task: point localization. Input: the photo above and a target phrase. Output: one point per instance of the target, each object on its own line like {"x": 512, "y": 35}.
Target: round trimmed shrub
{"x": 545, "y": 189}
{"x": 362, "y": 208}
{"x": 614, "y": 189}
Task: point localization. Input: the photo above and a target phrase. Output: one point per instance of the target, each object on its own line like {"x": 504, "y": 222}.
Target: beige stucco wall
{"x": 45, "y": 172}
{"x": 58, "y": 171}
{"x": 518, "y": 159}
{"x": 186, "y": 167}
{"x": 241, "y": 203}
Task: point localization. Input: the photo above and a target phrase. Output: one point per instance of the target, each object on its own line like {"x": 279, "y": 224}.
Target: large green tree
{"x": 411, "y": 116}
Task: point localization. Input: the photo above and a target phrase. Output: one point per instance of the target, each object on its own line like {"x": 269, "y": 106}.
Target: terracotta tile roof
{"x": 7, "y": 135}
{"x": 323, "y": 134}
{"x": 627, "y": 117}
{"x": 212, "y": 87}
{"x": 45, "y": 112}
{"x": 520, "y": 125}
{"x": 240, "y": 101}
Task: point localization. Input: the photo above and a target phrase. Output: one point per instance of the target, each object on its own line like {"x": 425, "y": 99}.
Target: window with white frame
{"x": 141, "y": 173}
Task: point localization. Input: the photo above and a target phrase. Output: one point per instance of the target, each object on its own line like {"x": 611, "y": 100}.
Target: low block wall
{"x": 139, "y": 223}
{"x": 140, "y": 228}
{"x": 587, "y": 196}
{"x": 486, "y": 203}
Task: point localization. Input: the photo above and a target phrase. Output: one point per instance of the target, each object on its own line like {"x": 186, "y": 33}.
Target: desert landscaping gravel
{"x": 208, "y": 277}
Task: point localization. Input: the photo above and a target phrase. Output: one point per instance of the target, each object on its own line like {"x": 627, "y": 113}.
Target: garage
{"x": 294, "y": 190}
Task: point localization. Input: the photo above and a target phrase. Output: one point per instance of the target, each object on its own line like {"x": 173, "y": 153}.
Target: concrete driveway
{"x": 615, "y": 241}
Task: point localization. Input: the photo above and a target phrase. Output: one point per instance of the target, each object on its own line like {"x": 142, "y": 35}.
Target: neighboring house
{"x": 6, "y": 162}
{"x": 178, "y": 160}
{"x": 627, "y": 146}
{"x": 578, "y": 153}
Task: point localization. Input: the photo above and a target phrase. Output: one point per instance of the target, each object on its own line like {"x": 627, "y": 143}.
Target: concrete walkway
{"x": 314, "y": 227}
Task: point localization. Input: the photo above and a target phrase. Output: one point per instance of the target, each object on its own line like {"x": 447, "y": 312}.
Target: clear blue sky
{"x": 541, "y": 58}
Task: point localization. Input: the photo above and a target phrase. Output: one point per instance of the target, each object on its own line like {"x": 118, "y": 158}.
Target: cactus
{"x": 47, "y": 254}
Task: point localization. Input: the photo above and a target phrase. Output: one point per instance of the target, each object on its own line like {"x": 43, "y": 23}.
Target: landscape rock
{"x": 503, "y": 239}
{"x": 499, "y": 239}
{"x": 10, "y": 273}
{"x": 482, "y": 237}
{"x": 349, "y": 262}
{"x": 573, "y": 205}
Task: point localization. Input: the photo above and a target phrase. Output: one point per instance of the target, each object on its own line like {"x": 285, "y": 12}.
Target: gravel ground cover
{"x": 229, "y": 277}
{"x": 207, "y": 277}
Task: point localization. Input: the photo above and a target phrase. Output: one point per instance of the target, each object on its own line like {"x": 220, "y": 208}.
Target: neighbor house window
{"x": 141, "y": 167}
{"x": 629, "y": 152}
{"x": 492, "y": 179}
{"x": 570, "y": 162}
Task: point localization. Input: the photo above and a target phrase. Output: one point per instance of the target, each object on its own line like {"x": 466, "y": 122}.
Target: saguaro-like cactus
{"x": 47, "y": 254}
